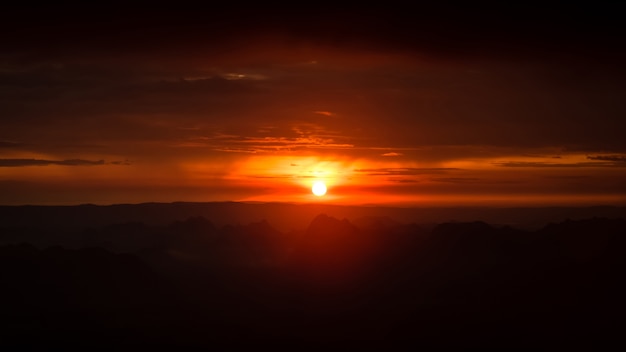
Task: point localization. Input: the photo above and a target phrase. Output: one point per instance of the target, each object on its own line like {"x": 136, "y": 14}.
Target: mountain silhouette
{"x": 333, "y": 251}
{"x": 193, "y": 283}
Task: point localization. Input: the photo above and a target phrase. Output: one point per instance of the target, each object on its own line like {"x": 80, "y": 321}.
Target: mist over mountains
{"x": 370, "y": 280}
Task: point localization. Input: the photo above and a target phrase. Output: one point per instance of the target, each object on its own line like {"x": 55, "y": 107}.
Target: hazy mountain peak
{"x": 328, "y": 224}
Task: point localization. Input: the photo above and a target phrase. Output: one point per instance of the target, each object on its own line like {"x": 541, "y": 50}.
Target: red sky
{"x": 442, "y": 106}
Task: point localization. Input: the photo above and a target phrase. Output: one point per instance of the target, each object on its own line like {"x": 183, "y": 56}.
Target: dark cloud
{"x": 39, "y": 162}
{"x": 615, "y": 158}
{"x": 404, "y": 171}
{"x": 7, "y": 144}
{"x": 119, "y": 162}
{"x": 556, "y": 165}
{"x": 385, "y": 104}
{"x": 457, "y": 179}
{"x": 272, "y": 177}
{"x": 103, "y": 88}
{"x": 297, "y": 137}
{"x": 489, "y": 182}
{"x": 404, "y": 180}
{"x": 568, "y": 177}
{"x": 588, "y": 30}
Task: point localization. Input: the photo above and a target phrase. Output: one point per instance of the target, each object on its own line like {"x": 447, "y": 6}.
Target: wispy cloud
{"x": 236, "y": 76}
{"x": 8, "y": 144}
{"x": 404, "y": 171}
{"x": 615, "y": 158}
{"x": 234, "y": 150}
{"x": 456, "y": 179}
{"x": 292, "y": 143}
{"x": 120, "y": 162}
{"x": 404, "y": 180}
{"x": 40, "y": 162}
{"x": 297, "y": 138}
{"x": 539, "y": 164}
{"x": 392, "y": 154}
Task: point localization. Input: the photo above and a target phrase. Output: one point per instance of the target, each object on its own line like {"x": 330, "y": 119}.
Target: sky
{"x": 439, "y": 105}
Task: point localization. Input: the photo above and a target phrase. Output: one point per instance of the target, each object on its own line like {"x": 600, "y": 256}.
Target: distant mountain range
{"x": 285, "y": 216}
{"x": 371, "y": 281}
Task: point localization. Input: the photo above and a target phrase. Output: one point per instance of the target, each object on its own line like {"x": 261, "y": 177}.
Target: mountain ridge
{"x": 285, "y": 216}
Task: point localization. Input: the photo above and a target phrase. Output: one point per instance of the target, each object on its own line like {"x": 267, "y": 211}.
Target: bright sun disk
{"x": 319, "y": 188}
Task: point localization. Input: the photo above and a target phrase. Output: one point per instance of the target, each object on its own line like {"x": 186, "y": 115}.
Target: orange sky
{"x": 384, "y": 109}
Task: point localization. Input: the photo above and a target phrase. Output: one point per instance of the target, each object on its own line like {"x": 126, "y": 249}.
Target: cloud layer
{"x": 444, "y": 99}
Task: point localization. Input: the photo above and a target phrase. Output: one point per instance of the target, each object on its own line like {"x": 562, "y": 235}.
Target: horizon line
{"x": 370, "y": 205}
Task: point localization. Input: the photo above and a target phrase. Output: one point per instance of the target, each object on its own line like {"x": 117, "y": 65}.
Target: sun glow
{"x": 319, "y": 188}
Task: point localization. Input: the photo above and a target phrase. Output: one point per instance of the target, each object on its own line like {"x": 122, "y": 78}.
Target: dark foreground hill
{"x": 334, "y": 285}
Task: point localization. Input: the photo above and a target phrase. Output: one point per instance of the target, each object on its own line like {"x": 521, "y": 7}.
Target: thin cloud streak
{"x": 615, "y": 158}
{"x": 404, "y": 171}
{"x": 523, "y": 164}
{"x": 8, "y": 144}
{"x": 39, "y": 162}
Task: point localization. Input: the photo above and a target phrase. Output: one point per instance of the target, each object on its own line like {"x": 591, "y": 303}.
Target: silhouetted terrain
{"x": 285, "y": 216}
{"x": 370, "y": 281}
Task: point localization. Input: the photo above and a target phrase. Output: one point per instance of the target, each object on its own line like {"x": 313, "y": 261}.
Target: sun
{"x": 319, "y": 188}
